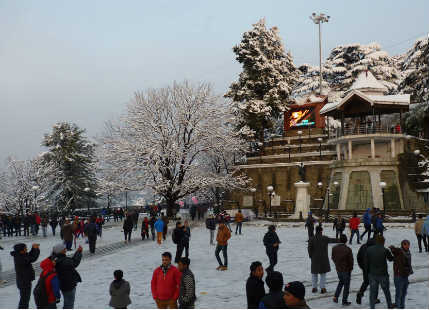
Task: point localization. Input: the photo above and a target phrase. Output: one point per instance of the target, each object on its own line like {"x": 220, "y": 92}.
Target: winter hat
{"x": 19, "y": 247}
{"x": 309, "y": 213}
{"x": 296, "y": 288}
{"x": 274, "y": 281}
{"x": 343, "y": 238}
{"x": 57, "y": 249}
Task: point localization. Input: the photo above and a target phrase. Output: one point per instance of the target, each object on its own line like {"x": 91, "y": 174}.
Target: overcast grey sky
{"x": 81, "y": 61}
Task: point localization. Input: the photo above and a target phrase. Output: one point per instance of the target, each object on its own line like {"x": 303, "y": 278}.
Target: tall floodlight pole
{"x": 319, "y": 19}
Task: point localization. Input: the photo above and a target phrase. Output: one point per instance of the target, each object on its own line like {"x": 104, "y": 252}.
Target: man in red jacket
{"x": 354, "y": 223}
{"x": 166, "y": 284}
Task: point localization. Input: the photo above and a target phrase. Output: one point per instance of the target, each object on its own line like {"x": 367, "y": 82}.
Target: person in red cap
{"x": 294, "y": 295}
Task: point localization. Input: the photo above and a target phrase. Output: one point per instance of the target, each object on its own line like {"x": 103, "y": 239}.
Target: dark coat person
{"x": 274, "y": 299}
{"x": 342, "y": 256}
{"x": 91, "y": 233}
{"x": 255, "y": 288}
{"x": 271, "y": 242}
{"x": 318, "y": 252}
{"x": 67, "y": 274}
{"x": 119, "y": 291}
{"x": 24, "y": 271}
{"x": 363, "y": 264}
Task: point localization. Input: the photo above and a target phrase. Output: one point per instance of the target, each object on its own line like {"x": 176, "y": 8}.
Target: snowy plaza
{"x": 217, "y": 289}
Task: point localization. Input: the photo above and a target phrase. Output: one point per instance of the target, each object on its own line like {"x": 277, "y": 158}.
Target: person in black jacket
{"x": 271, "y": 242}
{"x": 309, "y": 224}
{"x": 128, "y": 228}
{"x": 178, "y": 237}
{"x": 54, "y": 224}
{"x": 363, "y": 264}
{"x": 255, "y": 289}
{"x": 24, "y": 271}
{"x": 211, "y": 225}
{"x": 91, "y": 233}
{"x": 152, "y": 226}
{"x": 339, "y": 226}
{"x": 67, "y": 274}
{"x": 186, "y": 238}
{"x": 274, "y": 299}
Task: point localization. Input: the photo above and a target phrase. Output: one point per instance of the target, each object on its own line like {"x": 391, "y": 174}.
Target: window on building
{"x": 391, "y": 194}
{"x": 359, "y": 194}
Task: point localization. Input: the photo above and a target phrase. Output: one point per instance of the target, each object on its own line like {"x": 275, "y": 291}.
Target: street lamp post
{"x": 253, "y": 191}
{"x": 270, "y": 190}
{"x": 336, "y": 193}
{"x": 87, "y": 189}
{"x": 318, "y": 20}
{"x": 300, "y": 139}
{"x": 383, "y": 186}
{"x": 320, "y": 186}
{"x": 320, "y": 147}
{"x": 35, "y": 188}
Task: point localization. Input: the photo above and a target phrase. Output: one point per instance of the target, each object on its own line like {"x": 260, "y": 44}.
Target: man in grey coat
{"x": 318, "y": 253}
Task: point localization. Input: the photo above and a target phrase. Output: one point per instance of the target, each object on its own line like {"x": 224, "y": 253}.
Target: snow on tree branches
{"x": 164, "y": 137}
{"x": 416, "y": 67}
{"x": 266, "y": 81}
{"x": 344, "y": 64}
{"x": 72, "y": 156}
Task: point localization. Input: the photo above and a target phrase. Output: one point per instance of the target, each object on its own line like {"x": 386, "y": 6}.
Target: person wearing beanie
{"x": 402, "y": 269}
{"x": 377, "y": 257}
{"x": 255, "y": 289}
{"x": 91, "y": 232}
{"x": 67, "y": 274}
{"x": 274, "y": 299}
{"x": 367, "y": 224}
{"x": 271, "y": 241}
{"x": 187, "y": 285}
{"x": 342, "y": 256}
{"x": 119, "y": 291}
{"x": 363, "y": 264}
{"x": 294, "y": 295}
{"x": 24, "y": 271}
{"x": 52, "y": 284}
{"x": 318, "y": 253}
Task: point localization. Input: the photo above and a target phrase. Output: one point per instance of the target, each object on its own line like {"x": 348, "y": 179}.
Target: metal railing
{"x": 366, "y": 129}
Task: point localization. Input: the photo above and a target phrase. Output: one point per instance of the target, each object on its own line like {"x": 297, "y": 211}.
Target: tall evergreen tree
{"x": 72, "y": 156}
{"x": 266, "y": 81}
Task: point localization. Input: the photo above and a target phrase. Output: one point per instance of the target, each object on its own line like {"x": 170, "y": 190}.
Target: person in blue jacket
{"x": 367, "y": 224}
{"x": 379, "y": 227}
{"x": 425, "y": 228}
{"x": 159, "y": 227}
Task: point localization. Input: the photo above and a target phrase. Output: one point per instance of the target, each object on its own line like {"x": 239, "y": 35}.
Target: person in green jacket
{"x": 377, "y": 257}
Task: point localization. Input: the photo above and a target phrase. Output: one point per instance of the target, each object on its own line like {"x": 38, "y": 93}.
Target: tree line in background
{"x": 183, "y": 140}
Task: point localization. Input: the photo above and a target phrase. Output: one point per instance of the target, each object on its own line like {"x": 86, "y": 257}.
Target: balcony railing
{"x": 366, "y": 129}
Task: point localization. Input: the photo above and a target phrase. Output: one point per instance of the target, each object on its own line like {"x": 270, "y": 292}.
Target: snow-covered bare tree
{"x": 72, "y": 157}
{"x": 263, "y": 87}
{"x": 24, "y": 183}
{"x": 163, "y": 138}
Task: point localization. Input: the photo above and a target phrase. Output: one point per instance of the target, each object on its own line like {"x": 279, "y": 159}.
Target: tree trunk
{"x": 171, "y": 205}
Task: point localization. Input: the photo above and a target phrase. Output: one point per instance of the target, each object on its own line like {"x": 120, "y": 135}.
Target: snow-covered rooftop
{"x": 329, "y": 107}
{"x": 309, "y": 99}
{"x": 403, "y": 98}
{"x": 366, "y": 80}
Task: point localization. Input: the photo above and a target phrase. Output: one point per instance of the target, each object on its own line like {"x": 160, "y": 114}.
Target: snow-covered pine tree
{"x": 416, "y": 68}
{"x": 267, "y": 79}
{"x": 344, "y": 64}
{"x": 72, "y": 156}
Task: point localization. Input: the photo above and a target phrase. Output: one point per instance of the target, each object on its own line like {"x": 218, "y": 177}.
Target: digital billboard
{"x": 302, "y": 118}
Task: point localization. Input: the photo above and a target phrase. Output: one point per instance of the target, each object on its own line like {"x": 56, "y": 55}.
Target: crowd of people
{"x": 174, "y": 286}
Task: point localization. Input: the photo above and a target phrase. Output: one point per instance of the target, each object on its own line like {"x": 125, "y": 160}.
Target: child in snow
{"x": 119, "y": 291}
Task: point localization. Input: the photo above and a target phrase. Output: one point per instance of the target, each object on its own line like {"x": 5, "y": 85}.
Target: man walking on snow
{"x": 271, "y": 243}
{"x": 223, "y": 235}
{"x": 342, "y": 256}
{"x": 165, "y": 283}
{"x": 159, "y": 228}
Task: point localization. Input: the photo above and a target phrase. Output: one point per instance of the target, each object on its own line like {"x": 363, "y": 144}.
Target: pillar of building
{"x": 392, "y": 146}
{"x": 338, "y": 152}
{"x": 350, "y": 150}
{"x": 372, "y": 149}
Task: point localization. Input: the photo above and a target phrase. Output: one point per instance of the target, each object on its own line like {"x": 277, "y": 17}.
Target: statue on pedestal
{"x": 301, "y": 172}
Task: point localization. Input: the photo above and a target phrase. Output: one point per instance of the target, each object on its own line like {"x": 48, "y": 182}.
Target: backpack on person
{"x": 40, "y": 292}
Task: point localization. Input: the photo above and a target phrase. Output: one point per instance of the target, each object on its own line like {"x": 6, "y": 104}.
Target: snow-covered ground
{"x": 226, "y": 289}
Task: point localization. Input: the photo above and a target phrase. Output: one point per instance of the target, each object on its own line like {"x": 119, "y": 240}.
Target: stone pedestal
{"x": 302, "y": 202}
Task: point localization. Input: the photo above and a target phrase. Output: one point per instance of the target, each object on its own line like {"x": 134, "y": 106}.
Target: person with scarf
{"x": 119, "y": 291}
{"x": 402, "y": 269}
{"x": 165, "y": 284}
